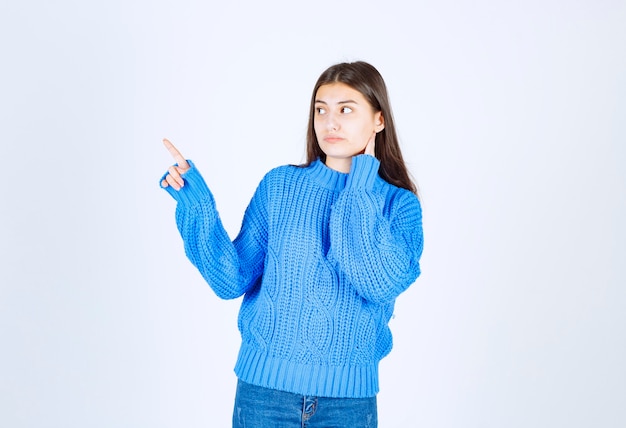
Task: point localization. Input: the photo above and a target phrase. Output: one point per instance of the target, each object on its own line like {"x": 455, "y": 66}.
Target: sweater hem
{"x": 346, "y": 381}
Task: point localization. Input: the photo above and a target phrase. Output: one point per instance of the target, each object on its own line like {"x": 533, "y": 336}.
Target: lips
{"x": 332, "y": 139}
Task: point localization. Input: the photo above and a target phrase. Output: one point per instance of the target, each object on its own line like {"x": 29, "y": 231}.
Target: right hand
{"x": 174, "y": 173}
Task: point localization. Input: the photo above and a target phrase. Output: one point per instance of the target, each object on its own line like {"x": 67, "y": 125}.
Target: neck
{"x": 340, "y": 165}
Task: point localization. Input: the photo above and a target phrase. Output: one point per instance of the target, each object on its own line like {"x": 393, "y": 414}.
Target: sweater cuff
{"x": 195, "y": 189}
{"x": 363, "y": 172}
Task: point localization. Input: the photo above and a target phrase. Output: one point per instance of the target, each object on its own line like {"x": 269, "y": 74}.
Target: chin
{"x": 340, "y": 153}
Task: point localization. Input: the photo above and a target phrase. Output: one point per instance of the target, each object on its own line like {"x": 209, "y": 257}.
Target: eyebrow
{"x": 340, "y": 102}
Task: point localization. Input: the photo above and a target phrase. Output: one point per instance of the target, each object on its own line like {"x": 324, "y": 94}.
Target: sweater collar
{"x": 327, "y": 177}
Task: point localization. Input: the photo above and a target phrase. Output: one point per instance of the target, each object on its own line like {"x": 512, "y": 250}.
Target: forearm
{"x": 206, "y": 242}
{"x": 376, "y": 246}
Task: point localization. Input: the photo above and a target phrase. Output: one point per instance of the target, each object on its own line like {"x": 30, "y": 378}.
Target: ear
{"x": 379, "y": 121}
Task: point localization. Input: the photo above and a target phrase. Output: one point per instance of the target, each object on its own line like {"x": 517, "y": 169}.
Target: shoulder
{"x": 283, "y": 173}
{"x": 277, "y": 179}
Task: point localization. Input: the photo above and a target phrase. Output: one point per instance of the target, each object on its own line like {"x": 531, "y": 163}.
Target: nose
{"x": 332, "y": 124}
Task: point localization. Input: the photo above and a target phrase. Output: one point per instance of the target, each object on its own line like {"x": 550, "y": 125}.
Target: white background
{"x": 512, "y": 118}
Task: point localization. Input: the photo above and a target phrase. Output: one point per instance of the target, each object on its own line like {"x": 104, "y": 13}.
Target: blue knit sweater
{"x": 320, "y": 259}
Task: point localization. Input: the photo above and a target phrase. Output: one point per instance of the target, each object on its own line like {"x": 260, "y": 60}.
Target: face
{"x": 344, "y": 123}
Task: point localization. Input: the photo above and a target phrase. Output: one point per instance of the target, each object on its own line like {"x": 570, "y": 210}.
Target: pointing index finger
{"x": 178, "y": 157}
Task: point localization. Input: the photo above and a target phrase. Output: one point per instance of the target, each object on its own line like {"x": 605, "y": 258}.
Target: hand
{"x": 369, "y": 148}
{"x": 174, "y": 176}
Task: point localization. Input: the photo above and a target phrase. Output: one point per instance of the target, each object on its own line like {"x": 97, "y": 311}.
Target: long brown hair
{"x": 364, "y": 78}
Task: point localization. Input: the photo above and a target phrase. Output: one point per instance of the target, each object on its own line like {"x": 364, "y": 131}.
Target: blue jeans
{"x": 258, "y": 407}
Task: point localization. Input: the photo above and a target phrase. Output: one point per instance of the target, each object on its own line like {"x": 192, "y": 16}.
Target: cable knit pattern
{"x": 320, "y": 259}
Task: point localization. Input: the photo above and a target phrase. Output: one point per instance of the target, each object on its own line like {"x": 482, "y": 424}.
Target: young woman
{"x": 324, "y": 250}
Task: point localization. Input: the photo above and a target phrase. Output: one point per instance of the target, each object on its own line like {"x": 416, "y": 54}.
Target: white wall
{"x": 512, "y": 118}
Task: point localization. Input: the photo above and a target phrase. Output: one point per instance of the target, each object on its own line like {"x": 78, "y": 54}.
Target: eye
{"x": 346, "y": 109}
{"x": 320, "y": 110}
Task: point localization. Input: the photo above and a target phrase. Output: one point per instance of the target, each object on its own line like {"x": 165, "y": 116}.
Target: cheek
{"x": 316, "y": 128}
{"x": 317, "y": 125}
{"x": 366, "y": 131}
